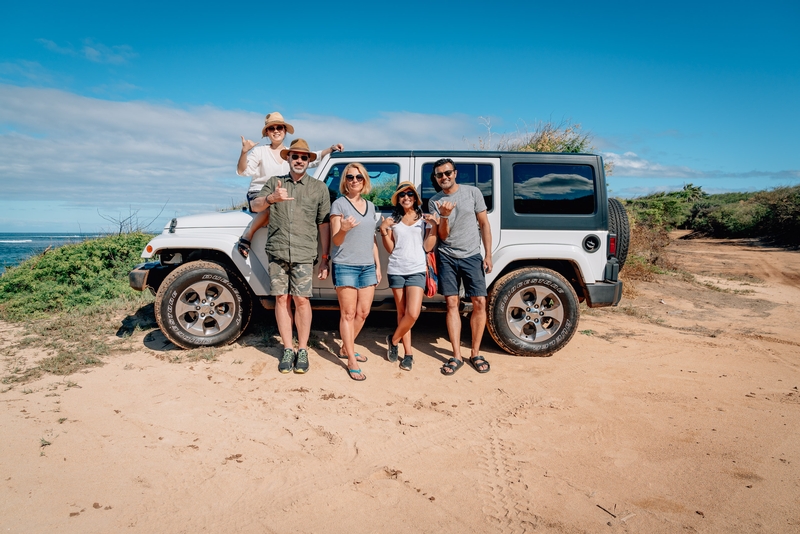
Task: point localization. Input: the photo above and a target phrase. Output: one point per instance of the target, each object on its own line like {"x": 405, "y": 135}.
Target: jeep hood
{"x": 217, "y": 220}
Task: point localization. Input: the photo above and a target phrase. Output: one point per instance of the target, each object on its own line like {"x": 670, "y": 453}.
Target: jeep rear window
{"x": 382, "y": 176}
{"x": 476, "y": 174}
{"x": 546, "y": 188}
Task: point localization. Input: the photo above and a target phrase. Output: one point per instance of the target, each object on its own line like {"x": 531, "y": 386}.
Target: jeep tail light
{"x": 612, "y": 244}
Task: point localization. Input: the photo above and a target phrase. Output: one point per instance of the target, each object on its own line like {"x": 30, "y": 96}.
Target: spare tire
{"x": 618, "y": 224}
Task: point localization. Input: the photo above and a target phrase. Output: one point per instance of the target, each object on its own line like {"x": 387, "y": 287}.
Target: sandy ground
{"x": 676, "y": 412}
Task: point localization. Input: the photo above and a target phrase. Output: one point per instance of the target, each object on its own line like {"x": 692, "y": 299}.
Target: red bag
{"x": 431, "y": 275}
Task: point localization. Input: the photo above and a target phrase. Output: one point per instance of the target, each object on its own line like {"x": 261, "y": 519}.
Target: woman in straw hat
{"x": 261, "y": 162}
{"x": 356, "y": 267}
{"x": 407, "y": 235}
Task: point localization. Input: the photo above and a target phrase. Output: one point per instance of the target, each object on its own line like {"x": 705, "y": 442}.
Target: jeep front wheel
{"x": 201, "y": 304}
{"x": 532, "y": 312}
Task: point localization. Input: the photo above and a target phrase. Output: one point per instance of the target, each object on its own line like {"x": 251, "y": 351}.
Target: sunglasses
{"x": 439, "y": 175}
{"x": 359, "y": 177}
{"x": 406, "y": 194}
{"x": 278, "y": 128}
{"x": 298, "y": 156}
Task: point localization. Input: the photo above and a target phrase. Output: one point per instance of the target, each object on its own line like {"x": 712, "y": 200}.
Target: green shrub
{"x": 71, "y": 277}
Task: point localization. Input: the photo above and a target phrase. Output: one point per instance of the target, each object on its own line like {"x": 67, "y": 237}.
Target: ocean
{"x": 16, "y": 248}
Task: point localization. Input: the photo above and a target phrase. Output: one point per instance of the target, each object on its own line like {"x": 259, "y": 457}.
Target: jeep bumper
{"x": 603, "y": 294}
{"x": 148, "y": 275}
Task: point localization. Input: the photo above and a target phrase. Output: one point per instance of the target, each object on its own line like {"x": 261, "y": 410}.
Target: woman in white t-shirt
{"x": 261, "y": 162}
{"x": 407, "y": 236}
{"x": 354, "y": 255}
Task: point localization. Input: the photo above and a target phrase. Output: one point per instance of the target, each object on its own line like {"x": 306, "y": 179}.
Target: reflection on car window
{"x": 382, "y": 176}
{"x": 479, "y": 175}
{"x": 541, "y": 188}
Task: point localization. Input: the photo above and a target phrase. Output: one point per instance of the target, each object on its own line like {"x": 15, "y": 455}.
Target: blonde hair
{"x": 362, "y": 171}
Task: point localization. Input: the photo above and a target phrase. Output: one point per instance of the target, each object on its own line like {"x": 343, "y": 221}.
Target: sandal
{"x": 479, "y": 361}
{"x": 408, "y": 361}
{"x": 243, "y": 246}
{"x": 359, "y": 358}
{"x": 356, "y": 373}
{"x": 452, "y": 366}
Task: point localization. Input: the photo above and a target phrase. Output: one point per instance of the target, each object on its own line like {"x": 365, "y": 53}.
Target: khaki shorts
{"x": 290, "y": 278}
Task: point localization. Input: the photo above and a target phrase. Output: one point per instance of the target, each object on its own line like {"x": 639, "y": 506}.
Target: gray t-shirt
{"x": 358, "y": 242}
{"x": 465, "y": 237}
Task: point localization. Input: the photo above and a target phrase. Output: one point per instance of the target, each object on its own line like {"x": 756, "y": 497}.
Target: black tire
{"x": 201, "y": 304}
{"x": 618, "y": 224}
{"x": 532, "y": 312}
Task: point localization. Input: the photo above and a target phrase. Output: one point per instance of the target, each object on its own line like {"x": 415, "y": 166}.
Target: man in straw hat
{"x": 463, "y": 224}
{"x": 261, "y": 162}
{"x": 300, "y": 207}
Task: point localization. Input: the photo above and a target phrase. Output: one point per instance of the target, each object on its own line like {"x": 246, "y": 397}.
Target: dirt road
{"x": 676, "y": 412}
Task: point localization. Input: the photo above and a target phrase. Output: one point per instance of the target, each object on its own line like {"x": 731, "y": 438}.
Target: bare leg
{"x": 365, "y": 295}
{"x": 478, "y": 323}
{"x": 454, "y": 324}
{"x": 411, "y": 301}
{"x": 259, "y": 221}
{"x": 302, "y": 319}
{"x": 283, "y": 316}
{"x": 348, "y": 300}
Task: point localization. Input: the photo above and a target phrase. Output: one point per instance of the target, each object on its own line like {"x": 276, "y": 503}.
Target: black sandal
{"x": 479, "y": 361}
{"x": 452, "y": 366}
{"x": 243, "y": 246}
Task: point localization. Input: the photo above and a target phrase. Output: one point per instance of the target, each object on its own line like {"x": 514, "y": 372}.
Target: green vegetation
{"x": 72, "y": 277}
{"x": 773, "y": 215}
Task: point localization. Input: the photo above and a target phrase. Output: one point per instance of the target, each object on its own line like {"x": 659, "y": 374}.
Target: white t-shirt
{"x": 263, "y": 164}
{"x": 408, "y": 256}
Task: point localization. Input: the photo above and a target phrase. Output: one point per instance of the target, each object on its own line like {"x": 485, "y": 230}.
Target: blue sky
{"x": 112, "y": 109}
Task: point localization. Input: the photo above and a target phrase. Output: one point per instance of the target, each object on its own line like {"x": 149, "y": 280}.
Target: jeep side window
{"x": 478, "y": 174}
{"x": 382, "y": 176}
{"x": 551, "y": 189}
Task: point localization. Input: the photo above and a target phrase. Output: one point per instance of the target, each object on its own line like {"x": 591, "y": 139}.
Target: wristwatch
{"x": 326, "y": 257}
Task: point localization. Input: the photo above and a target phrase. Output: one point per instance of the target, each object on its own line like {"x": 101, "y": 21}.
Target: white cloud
{"x": 96, "y": 52}
{"x": 630, "y": 164}
{"x": 103, "y": 155}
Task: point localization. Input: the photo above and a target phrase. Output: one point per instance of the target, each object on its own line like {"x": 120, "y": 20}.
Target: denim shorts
{"x": 453, "y": 271}
{"x": 398, "y": 281}
{"x": 357, "y": 276}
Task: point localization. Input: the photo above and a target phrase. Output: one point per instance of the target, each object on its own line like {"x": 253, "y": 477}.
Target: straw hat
{"x": 403, "y": 186}
{"x": 275, "y": 118}
{"x": 298, "y": 145}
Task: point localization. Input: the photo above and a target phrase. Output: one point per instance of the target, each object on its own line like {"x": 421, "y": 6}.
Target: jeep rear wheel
{"x": 202, "y": 304}
{"x": 532, "y": 312}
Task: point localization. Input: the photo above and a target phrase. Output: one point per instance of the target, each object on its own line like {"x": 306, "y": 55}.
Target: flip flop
{"x": 452, "y": 366}
{"x": 359, "y": 358}
{"x": 479, "y": 361}
{"x": 353, "y": 373}
{"x": 243, "y": 246}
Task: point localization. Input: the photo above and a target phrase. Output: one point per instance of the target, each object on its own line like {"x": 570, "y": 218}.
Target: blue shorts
{"x": 454, "y": 271}
{"x": 398, "y": 281}
{"x": 357, "y": 276}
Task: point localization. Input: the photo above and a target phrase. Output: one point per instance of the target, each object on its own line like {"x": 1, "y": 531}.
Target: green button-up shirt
{"x": 293, "y": 224}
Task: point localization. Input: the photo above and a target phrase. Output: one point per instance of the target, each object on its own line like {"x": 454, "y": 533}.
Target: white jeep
{"x": 557, "y": 239}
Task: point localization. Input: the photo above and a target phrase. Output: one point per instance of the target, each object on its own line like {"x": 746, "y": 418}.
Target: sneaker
{"x": 287, "y": 361}
{"x": 391, "y": 350}
{"x": 408, "y": 361}
{"x": 301, "y": 363}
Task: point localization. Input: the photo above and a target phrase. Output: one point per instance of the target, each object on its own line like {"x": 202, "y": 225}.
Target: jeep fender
{"x": 504, "y": 256}
{"x": 251, "y": 269}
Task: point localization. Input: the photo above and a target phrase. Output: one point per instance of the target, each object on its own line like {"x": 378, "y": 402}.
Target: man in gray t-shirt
{"x": 463, "y": 225}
